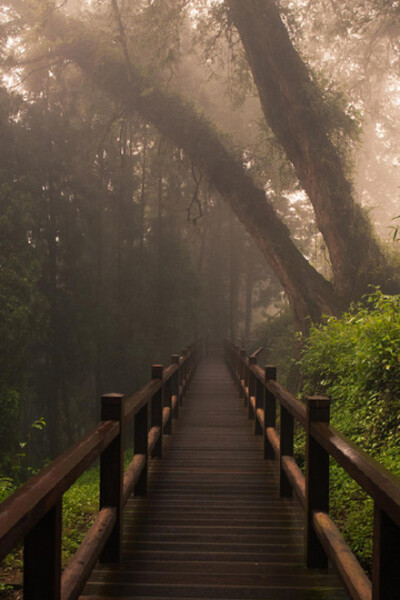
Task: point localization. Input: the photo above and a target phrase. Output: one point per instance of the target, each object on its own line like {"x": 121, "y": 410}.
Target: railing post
{"x": 236, "y": 363}
{"x": 112, "y": 473}
{"x": 175, "y": 384}
{"x": 179, "y": 379}
{"x": 184, "y": 369}
{"x": 42, "y": 557}
{"x": 286, "y": 449}
{"x": 246, "y": 383}
{"x": 232, "y": 362}
{"x": 191, "y": 365}
{"x": 140, "y": 445}
{"x": 156, "y": 410}
{"x": 229, "y": 350}
{"x": 242, "y": 374}
{"x": 188, "y": 368}
{"x": 258, "y": 430}
{"x": 269, "y": 412}
{"x": 168, "y": 404}
{"x": 252, "y": 386}
{"x": 317, "y": 480}
{"x": 386, "y": 557}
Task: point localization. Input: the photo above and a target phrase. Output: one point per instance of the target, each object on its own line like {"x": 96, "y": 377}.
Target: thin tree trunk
{"x": 143, "y": 201}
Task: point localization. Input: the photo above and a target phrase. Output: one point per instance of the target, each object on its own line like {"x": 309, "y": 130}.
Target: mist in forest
{"x": 171, "y": 170}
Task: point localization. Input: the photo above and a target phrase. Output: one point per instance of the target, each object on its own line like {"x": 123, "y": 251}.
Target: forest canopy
{"x": 135, "y": 53}
{"x": 124, "y": 123}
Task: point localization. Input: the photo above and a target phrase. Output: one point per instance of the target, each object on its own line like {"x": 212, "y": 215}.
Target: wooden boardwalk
{"x": 212, "y": 525}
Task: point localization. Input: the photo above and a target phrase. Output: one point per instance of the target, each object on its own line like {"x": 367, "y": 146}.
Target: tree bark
{"x": 309, "y": 293}
{"x": 296, "y": 112}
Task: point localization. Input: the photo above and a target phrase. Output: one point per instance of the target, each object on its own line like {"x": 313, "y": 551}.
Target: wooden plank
{"x": 349, "y": 568}
{"x": 295, "y": 477}
{"x": 79, "y": 568}
{"x": 212, "y": 524}
{"x": 283, "y": 592}
{"x": 132, "y": 474}
{"x": 152, "y": 439}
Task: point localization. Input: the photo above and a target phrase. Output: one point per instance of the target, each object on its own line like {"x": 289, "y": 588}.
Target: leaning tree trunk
{"x": 309, "y": 293}
{"x": 295, "y": 111}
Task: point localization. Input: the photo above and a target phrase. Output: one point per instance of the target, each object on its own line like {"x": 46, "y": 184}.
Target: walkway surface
{"x": 212, "y": 525}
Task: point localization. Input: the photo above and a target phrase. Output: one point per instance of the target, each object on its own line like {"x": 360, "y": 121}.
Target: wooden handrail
{"x": 134, "y": 403}
{"x": 379, "y": 483}
{"x": 257, "y": 352}
{"x": 23, "y": 509}
{"x": 323, "y": 539}
{"x": 33, "y": 512}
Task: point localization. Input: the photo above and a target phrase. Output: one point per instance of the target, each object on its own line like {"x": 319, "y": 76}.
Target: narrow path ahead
{"x": 212, "y": 525}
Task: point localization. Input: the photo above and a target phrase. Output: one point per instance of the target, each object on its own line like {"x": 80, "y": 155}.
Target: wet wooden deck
{"x": 212, "y": 525}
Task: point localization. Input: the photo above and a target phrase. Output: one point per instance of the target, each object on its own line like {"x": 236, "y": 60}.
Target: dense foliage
{"x": 113, "y": 256}
{"x": 80, "y": 506}
{"x": 91, "y": 263}
{"x": 355, "y": 360}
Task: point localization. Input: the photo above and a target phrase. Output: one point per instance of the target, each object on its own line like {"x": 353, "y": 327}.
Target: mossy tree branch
{"x": 309, "y": 293}
{"x": 297, "y": 113}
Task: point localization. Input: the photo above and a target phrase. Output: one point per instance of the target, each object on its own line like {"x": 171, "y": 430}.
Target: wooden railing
{"x": 34, "y": 512}
{"x": 323, "y": 541}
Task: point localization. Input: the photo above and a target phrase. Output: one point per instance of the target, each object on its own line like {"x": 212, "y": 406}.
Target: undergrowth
{"x": 80, "y": 507}
{"x": 355, "y": 360}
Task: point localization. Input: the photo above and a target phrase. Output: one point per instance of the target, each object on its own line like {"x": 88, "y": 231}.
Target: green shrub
{"x": 355, "y": 360}
{"x": 80, "y": 506}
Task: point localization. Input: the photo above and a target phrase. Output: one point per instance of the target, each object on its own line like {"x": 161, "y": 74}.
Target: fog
{"x": 169, "y": 172}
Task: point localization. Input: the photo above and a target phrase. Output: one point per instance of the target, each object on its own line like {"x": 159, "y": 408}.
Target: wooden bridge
{"x": 211, "y": 514}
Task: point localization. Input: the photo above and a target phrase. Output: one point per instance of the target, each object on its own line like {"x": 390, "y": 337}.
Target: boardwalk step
{"x": 212, "y": 525}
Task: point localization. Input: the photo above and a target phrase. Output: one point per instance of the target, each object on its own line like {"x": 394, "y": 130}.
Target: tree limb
{"x": 309, "y": 293}
{"x": 297, "y": 114}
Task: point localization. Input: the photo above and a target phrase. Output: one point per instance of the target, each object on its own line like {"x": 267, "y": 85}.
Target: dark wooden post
{"x": 258, "y": 430}
{"x": 184, "y": 369}
{"x": 232, "y": 362}
{"x": 269, "y": 412}
{"x": 252, "y": 386}
{"x": 168, "y": 404}
{"x": 236, "y": 362}
{"x": 242, "y": 375}
{"x": 246, "y": 383}
{"x": 112, "y": 474}
{"x": 386, "y": 557}
{"x": 175, "y": 384}
{"x": 157, "y": 410}
{"x": 140, "y": 444}
{"x": 42, "y": 557}
{"x": 189, "y": 367}
{"x": 286, "y": 449}
{"x": 177, "y": 359}
{"x": 317, "y": 480}
{"x": 229, "y": 350}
